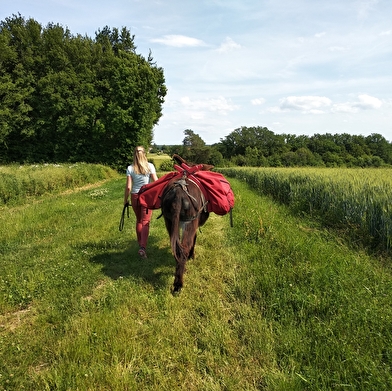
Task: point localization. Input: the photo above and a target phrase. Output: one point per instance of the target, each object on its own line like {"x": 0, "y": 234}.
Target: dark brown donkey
{"x": 184, "y": 210}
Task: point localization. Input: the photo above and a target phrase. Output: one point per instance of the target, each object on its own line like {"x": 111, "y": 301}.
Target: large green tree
{"x": 194, "y": 148}
{"x": 264, "y": 140}
{"x": 19, "y": 42}
{"x": 74, "y": 98}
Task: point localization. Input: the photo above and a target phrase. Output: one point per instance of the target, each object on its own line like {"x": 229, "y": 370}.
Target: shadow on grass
{"x": 154, "y": 270}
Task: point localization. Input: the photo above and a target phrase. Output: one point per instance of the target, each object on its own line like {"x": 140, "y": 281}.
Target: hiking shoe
{"x": 142, "y": 252}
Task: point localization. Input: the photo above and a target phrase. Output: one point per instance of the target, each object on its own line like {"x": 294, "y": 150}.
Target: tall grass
{"x": 275, "y": 303}
{"x": 20, "y": 181}
{"x": 356, "y": 200}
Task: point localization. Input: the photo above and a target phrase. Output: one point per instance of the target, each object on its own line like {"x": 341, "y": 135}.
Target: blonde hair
{"x": 140, "y": 162}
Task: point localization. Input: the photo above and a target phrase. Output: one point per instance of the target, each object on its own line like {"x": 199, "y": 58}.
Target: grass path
{"x": 274, "y": 303}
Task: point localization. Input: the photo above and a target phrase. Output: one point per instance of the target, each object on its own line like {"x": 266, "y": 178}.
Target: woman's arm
{"x": 127, "y": 190}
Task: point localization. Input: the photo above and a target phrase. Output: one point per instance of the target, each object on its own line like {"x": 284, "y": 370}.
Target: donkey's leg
{"x": 192, "y": 249}
{"x": 181, "y": 256}
{"x": 179, "y": 276}
{"x": 189, "y": 239}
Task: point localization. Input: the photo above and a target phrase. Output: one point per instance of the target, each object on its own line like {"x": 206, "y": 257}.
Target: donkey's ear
{"x": 178, "y": 159}
{"x": 207, "y": 167}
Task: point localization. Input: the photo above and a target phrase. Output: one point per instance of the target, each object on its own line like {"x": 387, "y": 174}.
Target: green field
{"x": 357, "y": 202}
{"x": 277, "y": 302}
{"x": 158, "y": 159}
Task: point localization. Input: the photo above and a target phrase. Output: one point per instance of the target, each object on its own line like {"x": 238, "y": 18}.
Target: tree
{"x": 194, "y": 148}
{"x": 252, "y": 156}
{"x": 295, "y": 142}
{"x": 380, "y": 147}
{"x": 332, "y": 159}
{"x": 322, "y": 143}
{"x": 261, "y": 138}
{"x": 192, "y": 140}
{"x": 69, "y": 98}
{"x": 216, "y": 158}
{"x": 19, "y": 45}
{"x": 305, "y": 157}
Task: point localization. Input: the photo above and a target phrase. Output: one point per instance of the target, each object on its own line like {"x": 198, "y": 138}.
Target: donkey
{"x": 184, "y": 209}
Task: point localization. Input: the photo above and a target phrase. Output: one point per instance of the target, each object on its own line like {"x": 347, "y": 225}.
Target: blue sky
{"x": 294, "y": 66}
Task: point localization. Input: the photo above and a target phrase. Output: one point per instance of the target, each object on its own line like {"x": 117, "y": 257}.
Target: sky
{"x": 294, "y": 66}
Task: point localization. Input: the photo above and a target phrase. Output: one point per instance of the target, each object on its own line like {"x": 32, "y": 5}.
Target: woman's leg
{"x": 145, "y": 226}
{"x": 143, "y": 217}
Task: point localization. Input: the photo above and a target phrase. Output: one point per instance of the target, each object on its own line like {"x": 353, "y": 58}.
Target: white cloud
{"x": 219, "y": 105}
{"x": 179, "y": 41}
{"x": 368, "y": 102}
{"x": 228, "y": 45}
{"x": 319, "y": 35}
{"x": 274, "y": 110}
{"x": 388, "y": 32}
{"x": 347, "y": 108}
{"x": 258, "y": 101}
{"x": 322, "y": 104}
{"x": 306, "y": 104}
{"x": 365, "y": 102}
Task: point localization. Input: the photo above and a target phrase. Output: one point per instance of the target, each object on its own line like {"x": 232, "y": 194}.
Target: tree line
{"x": 259, "y": 146}
{"x": 67, "y": 97}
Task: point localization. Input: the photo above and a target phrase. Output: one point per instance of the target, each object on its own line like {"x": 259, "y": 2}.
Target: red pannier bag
{"x": 215, "y": 187}
{"x": 150, "y": 194}
{"x": 217, "y": 191}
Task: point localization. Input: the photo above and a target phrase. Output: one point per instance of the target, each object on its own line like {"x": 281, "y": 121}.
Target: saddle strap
{"x": 204, "y": 202}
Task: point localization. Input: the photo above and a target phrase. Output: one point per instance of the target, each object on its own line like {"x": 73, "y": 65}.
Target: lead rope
{"x": 121, "y": 225}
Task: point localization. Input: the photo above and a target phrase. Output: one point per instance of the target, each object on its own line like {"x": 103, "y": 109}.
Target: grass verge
{"x": 275, "y": 303}
{"x": 18, "y": 182}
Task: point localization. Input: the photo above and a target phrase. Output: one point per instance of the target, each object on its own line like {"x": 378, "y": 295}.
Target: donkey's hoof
{"x": 176, "y": 290}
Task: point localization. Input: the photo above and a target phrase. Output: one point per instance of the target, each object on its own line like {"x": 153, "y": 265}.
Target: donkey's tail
{"x": 175, "y": 242}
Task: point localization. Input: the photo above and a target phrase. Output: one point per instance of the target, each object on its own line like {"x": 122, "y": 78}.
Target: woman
{"x": 138, "y": 174}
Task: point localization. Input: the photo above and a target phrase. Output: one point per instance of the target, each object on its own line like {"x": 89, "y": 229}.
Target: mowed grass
{"x": 274, "y": 303}
{"x": 158, "y": 159}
